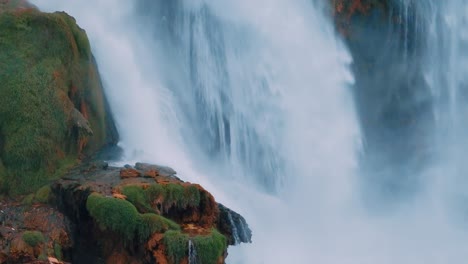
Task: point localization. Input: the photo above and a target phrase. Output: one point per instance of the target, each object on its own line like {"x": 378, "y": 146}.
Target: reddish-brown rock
{"x": 129, "y": 173}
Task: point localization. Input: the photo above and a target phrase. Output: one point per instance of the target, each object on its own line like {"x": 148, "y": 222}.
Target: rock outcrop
{"x": 53, "y": 118}
{"x": 95, "y": 215}
{"x": 52, "y": 106}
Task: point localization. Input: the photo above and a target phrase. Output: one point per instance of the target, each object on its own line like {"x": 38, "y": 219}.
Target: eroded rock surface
{"x": 97, "y": 214}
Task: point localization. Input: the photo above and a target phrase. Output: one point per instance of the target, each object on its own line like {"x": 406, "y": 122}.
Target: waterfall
{"x": 446, "y": 74}
{"x": 253, "y": 100}
{"x": 192, "y": 254}
{"x": 235, "y": 232}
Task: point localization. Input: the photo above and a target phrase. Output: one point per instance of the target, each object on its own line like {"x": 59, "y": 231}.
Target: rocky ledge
{"x": 133, "y": 214}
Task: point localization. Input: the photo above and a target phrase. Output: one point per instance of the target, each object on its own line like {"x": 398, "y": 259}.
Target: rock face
{"x": 32, "y": 232}
{"x": 94, "y": 215}
{"x": 52, "y": 105}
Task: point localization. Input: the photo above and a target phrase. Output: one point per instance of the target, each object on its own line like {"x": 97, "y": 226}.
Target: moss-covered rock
{"x": 122, "y": 217}
{"x": 48, "y": 75}
{"x": 113, "y": 218}
{"x": 209, "y": 248}
{"x": 43, "y": 194}
{"x": 114, "y": 214}
{"x": 33, "y": 238}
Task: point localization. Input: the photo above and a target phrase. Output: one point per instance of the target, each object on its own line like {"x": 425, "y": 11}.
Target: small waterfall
{"x": 192, "y": 253}
{"x": 245, "y": 236}
{"x": 235, "y": 233}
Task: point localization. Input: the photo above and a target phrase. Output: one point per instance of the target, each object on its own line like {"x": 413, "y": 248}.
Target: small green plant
{"x": 155, "y": 192}
{"x": 211, "y": 247}
{"x": 28, "y": 200}
{"x": 137, "y": 196}
{"x": 176, "y": 245}
{"x": 122, "y": 217}
{"x": 152, "y": 223}
{"x": 33, "y": 238}
{"x": 114, "y": 214}
{"x": 43, "y": 194}
{"x": 163, "y": 196}
{"x": 58, "y": 250}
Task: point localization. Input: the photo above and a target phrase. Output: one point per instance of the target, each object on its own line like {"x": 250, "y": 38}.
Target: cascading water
{"x": 238, "y": 95}
{"x": 192, "y": 254}
{"x": 235, "y": 233}
{"x": 446, "y": 73}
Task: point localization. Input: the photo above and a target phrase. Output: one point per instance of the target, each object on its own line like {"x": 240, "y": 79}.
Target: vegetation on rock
{"x": 210, "y": 248}
{"x": 33, "y": 238}
{"x": 114, "y": 214}
{"x": 122, "y": 217}
{"x": 58, "y": 251}
{"x": 164, "y": 196}
{"x": 153, "y": 223}
{"x": 176, "y": 245}
{"x": 47, "y": 72}
{"x": 43, "y": 194}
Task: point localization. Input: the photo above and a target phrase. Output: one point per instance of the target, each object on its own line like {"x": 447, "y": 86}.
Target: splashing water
{"x": 252, "y": 99}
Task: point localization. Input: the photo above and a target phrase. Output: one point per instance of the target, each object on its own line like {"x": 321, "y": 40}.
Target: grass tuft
{"x": 33, "y": 238}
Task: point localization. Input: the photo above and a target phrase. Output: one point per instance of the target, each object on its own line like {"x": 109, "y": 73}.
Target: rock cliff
{"x": 103, "y": 214}
{"x": 52, "y": 106}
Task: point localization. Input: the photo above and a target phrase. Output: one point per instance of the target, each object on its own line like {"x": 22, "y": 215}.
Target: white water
{"x": 234, "y": 230}
{"x": 192, "y": 254}
{"x": 287, "y": 97}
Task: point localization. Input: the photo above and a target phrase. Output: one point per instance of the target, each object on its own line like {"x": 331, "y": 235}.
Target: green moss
{"x": 58, "y": 250}
{"x": 122, "y": 217}
{"x": 43, "y": 257}
{"x": 46, "y": 70}
{"x": 137, "y": 197}
{"x": 155, "y": 192}
{"x": 192, "y": 196}
{"x": 114, "y": 214}
{"x": 210, "y": 248}
{"x": 176, "y": 245}
{"x": 33, "y": 238}
{"x": 152, "y": 223}
{"x": 43, "y": 194}
{"x": 165, "y": 196}
{"x": 28, "y": 200}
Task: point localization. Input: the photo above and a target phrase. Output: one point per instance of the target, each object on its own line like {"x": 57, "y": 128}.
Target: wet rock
{"x": 129, "y": 173}
{"x": 102, "y": 165}
{"x": 234, "y": 225}
{"x": 162, "y": 170}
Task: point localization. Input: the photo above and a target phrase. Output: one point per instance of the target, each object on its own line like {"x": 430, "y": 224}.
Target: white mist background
{"x": 317, "y": 217}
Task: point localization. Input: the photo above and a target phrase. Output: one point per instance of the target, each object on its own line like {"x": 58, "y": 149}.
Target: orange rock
{"x": 20, "y": 250}
{"x": 119, "y": 196}
{"x": 129, "y": 173}
{"x": 54, "y": 260}
{"x": 151, "y": 173}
